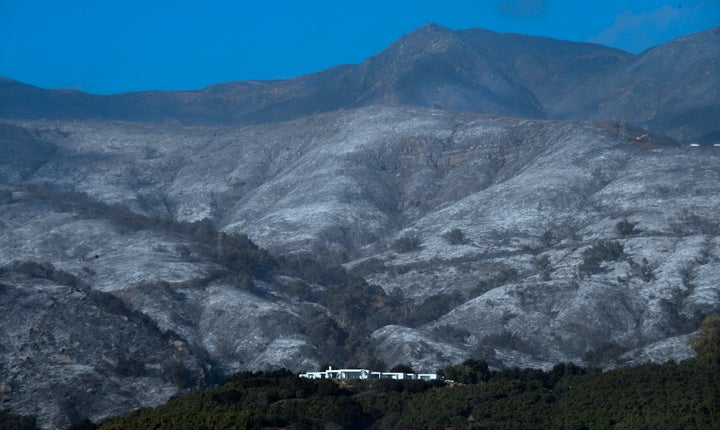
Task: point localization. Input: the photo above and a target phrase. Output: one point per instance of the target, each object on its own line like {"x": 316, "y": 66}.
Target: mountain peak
{"x": 430, "y": 38}
{"x": 432, "y": 27}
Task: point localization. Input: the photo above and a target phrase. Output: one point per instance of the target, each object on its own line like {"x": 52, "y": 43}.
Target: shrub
{"x": 455, "y": 237}
{"x": 9, "y": 420}
{"x": 468, "y": 372}
{"x": 84, "y": 424}
{"x": 5, "y": 196}
{"x": 505, "y": 274}
{"x": 45, "y": 270}
{"x": 450, "y": 333}
{"x": 178, "y": 374}
{"x": 608, "y": 250}
{"x": 549, "y": 238}
{"x": 128, "y": 366}
{"x": 109, "y": 303}
{"x": 544, "y": 265}
{"x": 707, "y": 342}
{"x": 184, "y": 251}
{"x": 402, "y": 368}
{"x": 643, "y": 270}
{"x": 431, "y": 308}
{"x": 604, "y": 353}
{"x": 625, "y": 227}
{"x": 406, "y": 244}
{"x": 34, "y": 269}
{"x": 239, "y": 254}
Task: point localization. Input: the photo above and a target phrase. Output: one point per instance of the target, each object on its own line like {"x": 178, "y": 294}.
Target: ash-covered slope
{"x": 22, "y": 153}
{"x": 101, "y": 315}
{"x": 383, "y": 187}
{"x": 522, "y": 242}
{"x": 672, "y": 88}
{"x": 69, "y": 352}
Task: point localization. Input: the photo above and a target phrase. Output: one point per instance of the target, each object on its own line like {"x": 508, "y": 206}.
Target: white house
{"x": 366, "y": 374}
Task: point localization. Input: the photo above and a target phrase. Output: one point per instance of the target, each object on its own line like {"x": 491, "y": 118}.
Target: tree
{"x": 625, "y": 227}
{"x": 17, "y": 422}
{"x": 402, "y": 368}
{"x": 5, "y": 196}
{"x": 607, "y": 250}
{"x": 84, "y": 424}
{"x": 468, "y": 372}
{"x": 406, "y": 244}
{"x": 707, "y": 341}
{"x": 455, "y": 237}
{"x": 544, "y": 264}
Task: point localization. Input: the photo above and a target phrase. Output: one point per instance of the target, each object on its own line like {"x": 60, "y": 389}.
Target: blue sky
{"x": 115, "y": 46}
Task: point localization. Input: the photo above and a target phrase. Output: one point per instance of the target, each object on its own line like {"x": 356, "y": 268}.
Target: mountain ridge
{"x": 468, "y": 70}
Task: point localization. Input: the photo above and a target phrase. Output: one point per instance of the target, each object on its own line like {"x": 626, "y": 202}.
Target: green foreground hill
{"x": 667, "y": 396}
{"x": 652, "y": 396}
{"x": 682, "y": 395}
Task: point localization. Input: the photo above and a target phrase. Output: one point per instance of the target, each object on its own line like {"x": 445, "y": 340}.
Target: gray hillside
{"x": 507, "y": 229}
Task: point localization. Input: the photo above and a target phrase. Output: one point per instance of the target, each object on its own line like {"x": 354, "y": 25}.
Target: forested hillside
{"x": 652, "y": 396}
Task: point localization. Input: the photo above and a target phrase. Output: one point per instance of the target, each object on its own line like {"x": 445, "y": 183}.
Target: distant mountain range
{"x": 672, "y": 88}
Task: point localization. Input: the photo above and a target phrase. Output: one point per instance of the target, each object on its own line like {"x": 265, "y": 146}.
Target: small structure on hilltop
{"x": 331, "y": 373}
